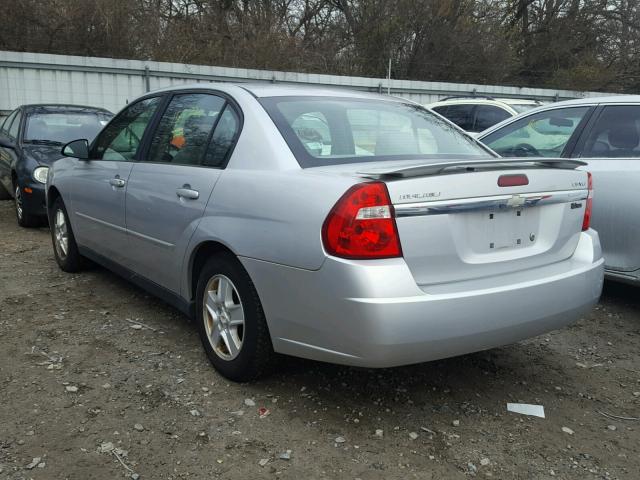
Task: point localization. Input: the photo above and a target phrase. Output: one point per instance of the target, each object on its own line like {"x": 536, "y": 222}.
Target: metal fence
{"x": 110, "y": 83}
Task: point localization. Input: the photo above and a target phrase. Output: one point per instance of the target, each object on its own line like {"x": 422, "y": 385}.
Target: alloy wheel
{"x": 19, "y": 207}
{"x": 61, "y": 234}
{"x": 223, "y": 316}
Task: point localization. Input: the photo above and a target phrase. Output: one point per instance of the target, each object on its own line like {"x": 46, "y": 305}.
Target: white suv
{"x": 475, "y": 114}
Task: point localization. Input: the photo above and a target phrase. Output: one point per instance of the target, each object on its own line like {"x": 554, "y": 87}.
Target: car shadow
{"x": 505, "y": 373}
{"x": 520, "y": 372}
{"x": 621, "y": 293}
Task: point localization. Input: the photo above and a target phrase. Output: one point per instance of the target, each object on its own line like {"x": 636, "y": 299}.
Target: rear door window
{"x": 487, "y": 116}
{"x": 185, "y": 128}
{"x": 544, "y": 134}
{"x": 461, "y": 115}
{"x": 616, "y": 134}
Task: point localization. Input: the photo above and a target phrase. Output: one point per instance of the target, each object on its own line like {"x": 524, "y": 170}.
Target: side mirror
{"x": 6, "y": 143}
{"x": 77, "y": 149}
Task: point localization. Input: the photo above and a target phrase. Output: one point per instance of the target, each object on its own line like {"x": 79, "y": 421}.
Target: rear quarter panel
{"x": 265, "y": 206}
{"x": 616, "y": 216}
{"x": 271, "y": 216}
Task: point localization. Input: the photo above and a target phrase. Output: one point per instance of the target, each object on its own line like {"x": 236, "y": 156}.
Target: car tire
{"x": 65, "y": 248}
{"x": 226, "y": 296}
{"x": 25, "y": 219}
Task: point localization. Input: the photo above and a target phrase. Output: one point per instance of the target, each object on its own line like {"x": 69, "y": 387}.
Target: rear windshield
{"x": 333, "y": 130}
{"x": 63, "y": 127}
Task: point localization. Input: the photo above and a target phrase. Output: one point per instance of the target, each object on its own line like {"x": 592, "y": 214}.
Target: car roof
{"x": 485, "y": 101}
{"x": 263, "y": 90}
{"x": 56, "y": 108}
{"x": 600, "y": 100}
{"x": 266, "y": 90}
{"x": 518, "y": 101}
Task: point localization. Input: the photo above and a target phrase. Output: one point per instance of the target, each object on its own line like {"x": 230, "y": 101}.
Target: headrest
{"x": 396, "y": 143}
{"x": 624, "y": 135}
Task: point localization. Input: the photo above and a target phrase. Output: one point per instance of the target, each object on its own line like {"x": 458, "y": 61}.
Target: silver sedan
{"x": 332, "y": 225}
{"x": 604, "y": 133}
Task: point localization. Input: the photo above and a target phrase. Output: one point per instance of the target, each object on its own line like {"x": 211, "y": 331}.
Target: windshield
{"x": 64, "y": 127}
{"x": 523, "y": 107}
{"x": 331, "y": 130}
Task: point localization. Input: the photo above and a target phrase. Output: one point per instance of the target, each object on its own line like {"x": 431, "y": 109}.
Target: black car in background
{"x": 31, "y": 138}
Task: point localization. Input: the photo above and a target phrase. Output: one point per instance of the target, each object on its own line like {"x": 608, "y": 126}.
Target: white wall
{"x": 109, "y": 83}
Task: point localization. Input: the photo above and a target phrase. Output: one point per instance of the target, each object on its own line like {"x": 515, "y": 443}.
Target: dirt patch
{"x": 88, "y": 396}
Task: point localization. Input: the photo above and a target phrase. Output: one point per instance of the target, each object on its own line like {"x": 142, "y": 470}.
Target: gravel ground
{"x": 87, "y": 393}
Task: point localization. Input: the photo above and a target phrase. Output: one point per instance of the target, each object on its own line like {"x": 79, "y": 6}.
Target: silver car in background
{"x": 604, "y": 133}
{"x": 333, "y": 225}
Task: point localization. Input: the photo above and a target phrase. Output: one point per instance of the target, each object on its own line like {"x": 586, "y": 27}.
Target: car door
{"x": 8, "y": 155}
{"x": 611, "y": 148}
{"x": 169, "y": 188}
{"x": 99, "y": 184}
{"x": 547, "y": 133}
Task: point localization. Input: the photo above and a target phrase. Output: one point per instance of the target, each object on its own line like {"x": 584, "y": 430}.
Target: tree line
{"x": 574, "y": 44}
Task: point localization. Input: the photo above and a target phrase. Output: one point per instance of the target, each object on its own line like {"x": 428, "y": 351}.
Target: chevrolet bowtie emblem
{"x": 515, "y": 201}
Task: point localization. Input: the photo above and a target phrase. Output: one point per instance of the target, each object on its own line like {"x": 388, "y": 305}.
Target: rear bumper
{"x": 372, "y": 314}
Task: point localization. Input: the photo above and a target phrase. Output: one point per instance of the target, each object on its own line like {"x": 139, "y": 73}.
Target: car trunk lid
{"x": 456, "y": 223}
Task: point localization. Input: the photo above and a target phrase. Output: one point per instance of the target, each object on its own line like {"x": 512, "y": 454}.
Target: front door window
{"x": 544, "y": 134}
{"x": 120, "y": 140}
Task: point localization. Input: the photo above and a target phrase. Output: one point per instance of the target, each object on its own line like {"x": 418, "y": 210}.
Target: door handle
{"x": 117, "y": 182}
{"x": 186, "y": 192}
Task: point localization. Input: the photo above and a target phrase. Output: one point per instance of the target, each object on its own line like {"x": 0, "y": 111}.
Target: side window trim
{"x": 580, "y": 134}
{"x": 596, "y": 113}
{"x": 234, "y": 142}
{"x": 210, "y": 137}
{"x": 147, "y": 138}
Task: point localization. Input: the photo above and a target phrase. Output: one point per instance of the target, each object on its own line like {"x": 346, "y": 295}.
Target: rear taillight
{"x": 586, "y": 221}
{"x": 362, "y": 225}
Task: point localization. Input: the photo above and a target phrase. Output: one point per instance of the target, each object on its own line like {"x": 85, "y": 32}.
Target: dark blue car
{"x": 31, "y": 138}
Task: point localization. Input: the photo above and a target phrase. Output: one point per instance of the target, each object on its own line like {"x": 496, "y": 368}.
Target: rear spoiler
{"x": 470, "y": 166}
